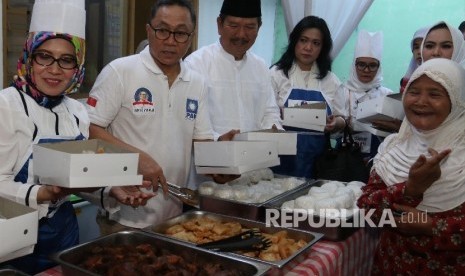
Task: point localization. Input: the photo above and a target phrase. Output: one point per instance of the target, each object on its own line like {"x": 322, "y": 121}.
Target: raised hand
{"x": 424, "y": 172}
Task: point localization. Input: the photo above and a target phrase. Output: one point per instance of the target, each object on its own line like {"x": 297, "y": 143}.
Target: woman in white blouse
{"x": 303, "y": 75}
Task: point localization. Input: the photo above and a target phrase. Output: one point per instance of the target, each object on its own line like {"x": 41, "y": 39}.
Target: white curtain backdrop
{"x": 342, "y": 16}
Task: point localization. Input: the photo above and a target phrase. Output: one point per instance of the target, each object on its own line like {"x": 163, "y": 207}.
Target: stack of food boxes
{"x": 234, "y": 157}
{"x": 18, "y": 229}
{"x": 287, "y": 140}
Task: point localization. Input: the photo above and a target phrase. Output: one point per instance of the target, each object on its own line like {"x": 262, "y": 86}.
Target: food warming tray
{"x": 333, "y": 233}
{"x": 11, "y": 272}
{"x": 70, "y": 258}
{"x": 310, "y": 237}
{"x": 234, "y": 208}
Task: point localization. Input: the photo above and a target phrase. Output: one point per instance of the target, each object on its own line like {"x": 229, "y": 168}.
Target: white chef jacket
{"x": 69, "y": 119}
{"x": 351, "y": 100}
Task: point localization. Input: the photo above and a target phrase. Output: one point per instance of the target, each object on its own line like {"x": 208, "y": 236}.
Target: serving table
{"x": 352, "y": 256}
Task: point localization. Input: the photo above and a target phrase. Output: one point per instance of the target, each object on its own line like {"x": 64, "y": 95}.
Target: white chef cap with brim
{"x": 369, "y": 44}
{"x": 59, "y": 16}
{"x": 51, "y": 19}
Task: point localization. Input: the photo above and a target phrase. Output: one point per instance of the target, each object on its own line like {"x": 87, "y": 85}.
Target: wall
{"x": 208, "y": 31}
{"x": 280, "y": 31}
{"x": 1, "y": 45}
{"x": 398, "y": 19}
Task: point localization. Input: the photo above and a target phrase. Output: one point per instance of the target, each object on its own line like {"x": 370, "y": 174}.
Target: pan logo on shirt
{"x": 143, "y": 101}
{"x": 191, "y": 109}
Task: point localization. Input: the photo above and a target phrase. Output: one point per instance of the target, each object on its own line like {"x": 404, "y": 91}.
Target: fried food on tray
{"x": 203, "y": 229}
{"x": 175, "y": 229}
{"x": 145, "y": 259}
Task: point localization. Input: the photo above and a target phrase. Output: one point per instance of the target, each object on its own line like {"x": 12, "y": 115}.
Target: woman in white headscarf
{"x": 443, "y": 41}
{"x": 419, "y": 174}
{"x": 364, "y": 83}
{"x": 415, "y": 61}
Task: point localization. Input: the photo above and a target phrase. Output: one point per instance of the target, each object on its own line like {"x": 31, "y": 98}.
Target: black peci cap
{"x": 242, "y": 8}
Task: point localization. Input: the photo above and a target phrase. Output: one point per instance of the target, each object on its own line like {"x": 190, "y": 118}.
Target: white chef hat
{"x": 369, "y": 45}
{"x": 60, "y": 16}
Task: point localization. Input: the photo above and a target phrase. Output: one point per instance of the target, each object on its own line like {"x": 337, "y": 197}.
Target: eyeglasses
{"x": 164, "y": 34}
{"x": 372, "y": 67}
{"x": 65, "y": 62}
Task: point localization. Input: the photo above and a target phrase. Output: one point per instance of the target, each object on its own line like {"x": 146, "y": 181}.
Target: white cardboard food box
{"x": 18, "y": 229}
{"x": 310, "y": 116}
{"x": 368, "y": 128}
{"x": 79, "y": 164}
{"x": 379, "y": 132}
{"x": 387, "y": 107}
{"x": 234, "y": 157}
{"x": 287, "y": 140}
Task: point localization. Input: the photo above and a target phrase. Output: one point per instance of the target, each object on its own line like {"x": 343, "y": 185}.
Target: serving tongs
{"x": 186, "y": 195}
{"x": 250, "y": 240}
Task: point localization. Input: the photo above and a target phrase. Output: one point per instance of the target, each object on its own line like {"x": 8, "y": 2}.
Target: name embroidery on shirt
{"x": 143, "y": 101}
{"x": 192, "y": 107}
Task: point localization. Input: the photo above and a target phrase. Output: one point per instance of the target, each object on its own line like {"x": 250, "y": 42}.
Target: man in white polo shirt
{"x": 163, "y": 125}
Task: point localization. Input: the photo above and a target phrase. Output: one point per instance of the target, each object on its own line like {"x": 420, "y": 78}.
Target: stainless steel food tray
{"x": 71, "y": 257}
{"x": 234, "y": 208}
{"x": 310, "y": 237}
{"x": 335, "y": 233}
{"x": 11, "y": 272}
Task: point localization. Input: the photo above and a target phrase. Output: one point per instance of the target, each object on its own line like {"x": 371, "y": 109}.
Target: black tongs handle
{"x": 237, "y": 238}
{"x": 248, "y": 240}
{"x": 248, "y": 244}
